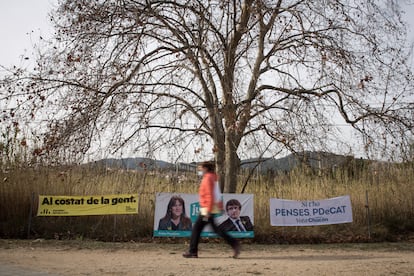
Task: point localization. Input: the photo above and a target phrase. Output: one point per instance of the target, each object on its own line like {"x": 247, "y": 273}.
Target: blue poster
{"x": 176, "y": 213}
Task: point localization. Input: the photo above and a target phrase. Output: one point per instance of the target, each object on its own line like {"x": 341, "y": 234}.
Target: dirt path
{"x": 91, "y": 258}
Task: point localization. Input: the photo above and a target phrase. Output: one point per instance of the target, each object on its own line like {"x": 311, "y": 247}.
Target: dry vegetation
{"x": 389, "y": 188}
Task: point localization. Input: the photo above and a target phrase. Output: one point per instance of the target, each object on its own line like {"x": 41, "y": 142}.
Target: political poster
{"x": 175, "y": 215}
{"x": 52, "y": 205}
{"x": 285, "y": 212}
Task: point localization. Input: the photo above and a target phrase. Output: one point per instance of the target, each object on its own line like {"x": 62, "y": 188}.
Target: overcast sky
{"x": 21, "y": 24}
{"x": 23, "y": 21}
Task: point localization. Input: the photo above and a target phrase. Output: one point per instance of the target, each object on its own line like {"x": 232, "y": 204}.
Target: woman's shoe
{"x": 190, "y": 255}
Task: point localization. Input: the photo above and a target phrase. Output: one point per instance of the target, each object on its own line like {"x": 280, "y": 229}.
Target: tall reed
{"x": 389, "y": 188}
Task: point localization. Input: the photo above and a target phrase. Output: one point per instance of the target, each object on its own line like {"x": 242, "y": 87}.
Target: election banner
{"x": 52, "y": 205}
{"x": 175, "y": 215}
{"x": 285, "y": 212}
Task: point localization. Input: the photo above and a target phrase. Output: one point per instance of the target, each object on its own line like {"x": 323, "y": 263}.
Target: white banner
{"x": 175, "y": 215}
{"x": 285, "y": 212}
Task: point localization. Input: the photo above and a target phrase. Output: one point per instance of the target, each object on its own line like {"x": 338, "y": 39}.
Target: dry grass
{"x": 390, "y": 190}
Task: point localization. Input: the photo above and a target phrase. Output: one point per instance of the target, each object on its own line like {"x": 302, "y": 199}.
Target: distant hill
{"x": 315, "y": 160}
{"x": 138, "y": 163}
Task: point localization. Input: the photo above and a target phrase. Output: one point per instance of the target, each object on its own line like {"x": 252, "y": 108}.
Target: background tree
{"x": 236, "y": 75}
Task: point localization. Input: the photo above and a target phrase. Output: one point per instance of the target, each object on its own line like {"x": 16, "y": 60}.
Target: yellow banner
{"x": 50, "y": 205}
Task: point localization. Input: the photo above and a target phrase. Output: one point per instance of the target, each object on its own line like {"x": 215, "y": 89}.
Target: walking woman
{"x": 206, "y": 199}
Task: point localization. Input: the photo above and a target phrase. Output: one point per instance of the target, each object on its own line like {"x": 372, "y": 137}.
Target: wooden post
{"x": 29, "y": 224}
{"x": 114, "y": 234}
{"x": 368, "y": 214}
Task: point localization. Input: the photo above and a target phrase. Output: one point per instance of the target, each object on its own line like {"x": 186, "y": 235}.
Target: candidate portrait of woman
{"x": 175, "y": 217}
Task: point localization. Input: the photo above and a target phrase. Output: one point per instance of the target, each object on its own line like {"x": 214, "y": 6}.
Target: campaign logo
{"x": 194, "y": 211}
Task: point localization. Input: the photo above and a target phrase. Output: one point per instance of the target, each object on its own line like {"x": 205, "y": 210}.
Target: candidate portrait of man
{"x": 235, "y": 222}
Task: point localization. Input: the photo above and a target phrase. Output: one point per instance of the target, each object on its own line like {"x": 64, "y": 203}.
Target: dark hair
{"x": 172, "y": 203}
{"x": 209, "y": 165}
{"x": 233, "y": 202}
{"x": 185, "y": 221}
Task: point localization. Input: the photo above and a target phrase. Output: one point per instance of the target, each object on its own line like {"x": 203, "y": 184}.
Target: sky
{"x": 24, "y": 21}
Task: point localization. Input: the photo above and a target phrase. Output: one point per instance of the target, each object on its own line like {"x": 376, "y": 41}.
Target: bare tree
{"x": 234, "y": 72}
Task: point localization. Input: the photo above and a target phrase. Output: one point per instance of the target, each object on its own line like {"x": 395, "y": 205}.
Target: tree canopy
{"x": 238, "y": 76}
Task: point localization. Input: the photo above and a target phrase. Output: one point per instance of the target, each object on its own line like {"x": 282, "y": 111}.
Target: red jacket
{"x": 206, "y": 191}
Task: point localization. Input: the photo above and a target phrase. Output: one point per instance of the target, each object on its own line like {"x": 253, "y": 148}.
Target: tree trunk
{"x": 220, "y": 164}
{"x": 232, "y": 165}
